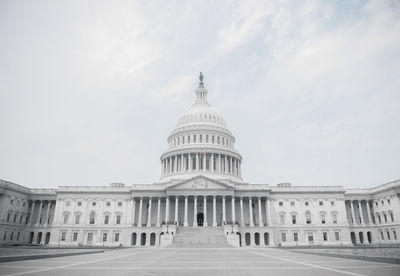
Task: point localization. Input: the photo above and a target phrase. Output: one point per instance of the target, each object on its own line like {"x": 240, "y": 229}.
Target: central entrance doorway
{"x": 200, "y": 219}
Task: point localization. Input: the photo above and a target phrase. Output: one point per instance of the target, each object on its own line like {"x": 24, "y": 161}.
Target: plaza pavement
{"x": 198, "y": 261}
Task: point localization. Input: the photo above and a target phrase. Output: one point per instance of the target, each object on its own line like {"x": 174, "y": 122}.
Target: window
{"x": 388, "y": 201}
{"x": 79, "y": 203}
{"x": 194, "y": 138}
{"x": 385, "y": 217}
{"x": 8, "y": 217}
{"x": 20, "y": 219}
{"x": 104, "y": 237}
{"x": 332, "y": 203}
{"x": 323, "y": 219}
{"x": 308, "y": 219}
{"x": 63, "y": 235}
{"x": 306, "y": 203}
{"x": 388, "y": 235}
{"x": 23, "y": 204}
{"x": 12, "y": 236}
{"x": 118, "y": 219}
{"x": 15, "y": 218}
{"x": 119, "y": 203}
{"x": 11, "y": 201}
{"x": 212, "y": 139}
{"x": 5, "y": 235}
{"x": 206, "y": 138}
{"x": 292, "y": 203}
{"x": 201, "y": 138}
{"x": 337, "y": 236}
{"x": 295, "y": 237}
{"x": 93, "y": 203}
{"x": 379, "y": 219}
{"x": 310, "y": 237}
{"x": 92, "y": 217}
{"x": 283, "y": 237}
{"x": 75, "y": 237}
{"x": 294, "y": 221}
{"x": 382, "y": 202}
{"x": 65, "y": 219}
{"x": 334, "y": 218}
{"x": 218, "y": 140}
{"x": 223, "y": 141}
{"x": 188, "y": 139}
{"x": 90, "y": 237}
{"x": 77, "y": 218}
{"x": 394, "y": 235}
{"x": 382, "y": 236}
{"x": 376, "y": 203}
{"x": 116, "y": 237}
{"x": 106, "y": 219}
{"x": 280, "y": 203}
{"x": 321, "y": 203}
{"x": 108, "y": 203}
{"x": 282, "y": 219}
{"x": 325, "y": 236}
{"x": 68, "y": 203}
{"x": 18, "y": 235}
{"x": 391, "y": 217}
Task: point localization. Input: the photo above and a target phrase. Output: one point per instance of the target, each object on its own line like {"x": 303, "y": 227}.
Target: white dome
{"x": 201, "y": 113}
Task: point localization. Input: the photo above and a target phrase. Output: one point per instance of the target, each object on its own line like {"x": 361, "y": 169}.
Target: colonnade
{"x": 176, "y": 201}
{"x": 40, "y": 205}
{"x": 196, "y": 162}
{"x": 356, "y": 211}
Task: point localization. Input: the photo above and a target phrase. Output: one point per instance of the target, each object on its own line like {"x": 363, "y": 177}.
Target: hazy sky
{"x": 90, "y": 90}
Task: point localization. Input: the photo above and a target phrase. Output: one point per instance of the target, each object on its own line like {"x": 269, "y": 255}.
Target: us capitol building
{"x": 200, "y": 200}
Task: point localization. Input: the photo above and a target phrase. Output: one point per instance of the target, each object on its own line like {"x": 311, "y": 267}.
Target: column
{"x": 32, "y": 213}
{"x": 233, "y": 209}
{"x": 214, "y": 211}
{"x": 149, "y": 214}
{"x": 185, "y": 223}
{"x": 269, "y": 218}
{"x": 369, "y": 212}
{"x": 182, "y": 163}
{"x": 251, "y": 213}
{"x": 223, "y": 210}
{"x": 260, "y": 222}
{"x": 225, "y": 164}
{"x": 139, "y": 223}
{"x": 212, "y": 162}
{"x": 241, "y": 212}
{"x": 167, "y": 209}
{"x": 197, "y": 162}
{"x": 230, "y": 165}
{"x": 190, "y": 163}
{"x": 219, "y": 162}
{"x": 240, "y": 169}
{"x": 175, "y": 163}
{"x": 133, "y": 211}
{"x": 195, "y": 212}
{"x": 47, "y": 213}
{"x": 360, "y": 211}
{"x": 353, "y": 212}
{"x": 176, "y": 209}
{"x": 204, "y": 161}
{"x": 158, "y": 212}
{"x": 39, "y": 213}
{"x": 205, "y": 211}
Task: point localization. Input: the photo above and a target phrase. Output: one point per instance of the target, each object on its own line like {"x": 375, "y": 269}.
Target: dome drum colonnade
{"x": 201, "y": 142}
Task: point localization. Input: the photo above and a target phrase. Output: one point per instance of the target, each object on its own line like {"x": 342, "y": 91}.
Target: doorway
{"x": 200, "y": 219}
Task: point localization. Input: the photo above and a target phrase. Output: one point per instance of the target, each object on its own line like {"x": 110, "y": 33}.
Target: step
{"x": 200, "y": 237}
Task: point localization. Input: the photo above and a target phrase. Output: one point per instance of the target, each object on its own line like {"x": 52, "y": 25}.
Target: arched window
{"x": 118, "y": 219}
{"x": 308, "y": 217}
{"x": 77, "y": 218}
{"x": 106, "y": 219}
{"x": 92, "y": 217}
{"x": 66, "y": 217}
{"x": 282, "y": 218}
{"x": 323, "y": 217}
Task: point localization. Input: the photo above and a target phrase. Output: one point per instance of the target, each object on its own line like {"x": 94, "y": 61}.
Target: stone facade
{"x": 200, "y": 186}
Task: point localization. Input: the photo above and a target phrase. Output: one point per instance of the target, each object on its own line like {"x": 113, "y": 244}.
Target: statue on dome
{"x": 201, "y": 77}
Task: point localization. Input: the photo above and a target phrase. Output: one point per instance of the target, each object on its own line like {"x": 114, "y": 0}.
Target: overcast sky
{"x": 90, "y": 90}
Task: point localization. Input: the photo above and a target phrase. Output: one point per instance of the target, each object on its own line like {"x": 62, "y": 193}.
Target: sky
{"x": 90, "y": 90}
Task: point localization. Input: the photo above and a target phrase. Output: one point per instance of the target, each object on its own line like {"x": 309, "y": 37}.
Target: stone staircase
{"x": 200, "y": 237}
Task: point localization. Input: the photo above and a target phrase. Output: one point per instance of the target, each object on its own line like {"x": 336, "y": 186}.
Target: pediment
{"x": 200, "y": 183}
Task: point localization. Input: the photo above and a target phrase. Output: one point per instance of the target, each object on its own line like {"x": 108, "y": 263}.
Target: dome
{"x": 199, "y": 114}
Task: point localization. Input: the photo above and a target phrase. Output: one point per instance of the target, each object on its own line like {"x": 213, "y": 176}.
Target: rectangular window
{"x": 295, "y": 237}
{"x": 294, "y": 221}
{"x": 321, "y": 203}
{"x": 118, "y": 219}
{"x": 77, "y": 219}
{"x": 106, "y": 218}
{"x": 75, "y": 237}
{"x": 20, "y": 219}
{"x": 65, "y": 219}
{"x": 325, "y": 236}
{"x": 108, "y": 203}
{"x": 68, "y": 203}
{"x": 5, "y": 235}
{"x": 188, "y": 138}
{"x": 337, "y": 236}
{"x": 280, "y": 203}
{"x": 334, "y": 218}
{"x": 79, "y": 203}
{"x": 323, "y": 220}
{"x": 119, "y": 203}
{"x": 282, "y": 219}
{"x": 8, "y": 217}
{"x": 332, "y": 203}
{"x": 12, "y": 236}
{"x": 388, "y": 235}
{"x": 391, "y": 217}
{"x": 212, "y": 139}
{"x": 201, "y": 138}
{"x": 63, "y": 235}
{"x": 206, "y": 138}
{"x": 310, "y": 237}
{"x": 116, "y": 238}
{"x": 104, "y": 237}
{"x": 283, "y": 237}
{"x": 18, "y": 234}
{"x": 394, "y": 235}
{"x": 15, "y": 218}
{"x": 90, "y": 237}
{"x": 292, "y": 203}
{"x": 308, "y": 220}
{"x": 385, "y": 217}
{"x": 379, "y": 219}
{"x": 382, "y": 236}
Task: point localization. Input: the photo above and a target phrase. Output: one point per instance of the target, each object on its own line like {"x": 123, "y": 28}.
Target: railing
{"x": 169, "y": 222}
{"x": 231, "y": 222}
